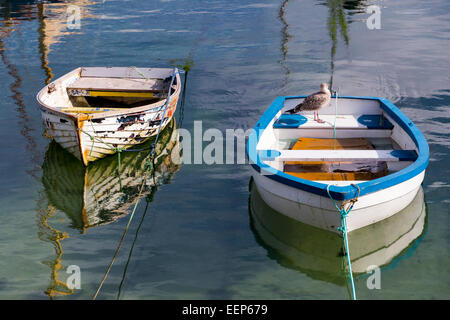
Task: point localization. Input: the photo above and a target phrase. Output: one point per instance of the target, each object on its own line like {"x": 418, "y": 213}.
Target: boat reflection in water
{"x": 105, "y": 191}
{"x": 318, "y": 253}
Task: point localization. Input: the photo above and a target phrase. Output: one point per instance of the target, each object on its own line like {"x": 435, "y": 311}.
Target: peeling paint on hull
{"x": 90, "y": 137}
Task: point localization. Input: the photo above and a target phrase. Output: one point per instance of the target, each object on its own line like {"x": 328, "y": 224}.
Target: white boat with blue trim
{"x": 365, "y": 152}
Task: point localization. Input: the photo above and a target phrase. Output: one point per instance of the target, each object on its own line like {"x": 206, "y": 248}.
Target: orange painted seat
{"x": 332, "y": 170}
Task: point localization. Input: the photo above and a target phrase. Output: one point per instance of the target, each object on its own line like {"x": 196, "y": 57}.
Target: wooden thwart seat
{"x": 127, "y": 72}
{"x": 338, "y": 170}
{"x": 346, "y": 155}
{"x": 116, "y": 87}
{"x": 332, "y": 144}
{"x": 336, "y": 159}
{"x": 335, "y": 171}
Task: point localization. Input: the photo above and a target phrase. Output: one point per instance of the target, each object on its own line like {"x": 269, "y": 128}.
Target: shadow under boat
{"x": 107, "y": 189}
{"x": 319, "y": 253}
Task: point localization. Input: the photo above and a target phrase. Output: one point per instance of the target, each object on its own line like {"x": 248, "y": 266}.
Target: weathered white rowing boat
{"x": 97, "y": 111}
{"x": 366, "y": 149}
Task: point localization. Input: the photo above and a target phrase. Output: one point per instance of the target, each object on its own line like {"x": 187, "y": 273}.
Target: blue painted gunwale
{"x": 344, "y": 192}
{"x": 296, "y": 121}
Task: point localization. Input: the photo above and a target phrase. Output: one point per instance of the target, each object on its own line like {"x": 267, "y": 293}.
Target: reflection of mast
{"x": 43, "y": 49}
{"x": 285, "y": 37}
{"x": 21, "y": 108}
{"x": 47, "y": 232}
{"x": 337, "y": 16}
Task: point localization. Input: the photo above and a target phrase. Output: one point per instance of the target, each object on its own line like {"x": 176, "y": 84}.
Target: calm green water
{"x": 203, "y": 237}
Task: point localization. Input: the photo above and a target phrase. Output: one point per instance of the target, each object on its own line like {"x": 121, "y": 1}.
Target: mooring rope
{"x": 140, "y": 73}
{"x": 335, "y": 112}
{"x": 343, "y": 228}
{"x": 121, "y": 240}
{"x": 141, "y": 189}
{"x": 148, "y": 200}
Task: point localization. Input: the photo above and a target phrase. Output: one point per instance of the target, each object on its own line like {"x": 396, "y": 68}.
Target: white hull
{"x": 89, "y": 140}
{"x": 320, "y": 211}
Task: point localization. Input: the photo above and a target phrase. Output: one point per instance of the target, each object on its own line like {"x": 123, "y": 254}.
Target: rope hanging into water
{"x": 343, "y": 228}
{"x": 121, "y": 240}
{"x": 148, "y": 200}
{"x": 141, "y": 189}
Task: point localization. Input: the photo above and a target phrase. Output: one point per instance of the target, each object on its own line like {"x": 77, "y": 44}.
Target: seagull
{"x": 314, "y": 102}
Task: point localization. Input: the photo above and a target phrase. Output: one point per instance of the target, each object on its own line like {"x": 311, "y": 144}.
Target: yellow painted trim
{"x": 89, "y": 110}
{"x": 82, "y": 117}
{"x": 80, "y": 123}
{"x": 121, "y": 94}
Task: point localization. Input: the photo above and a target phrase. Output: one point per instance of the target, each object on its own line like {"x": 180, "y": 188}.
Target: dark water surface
{"x": 200, "y": 238}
